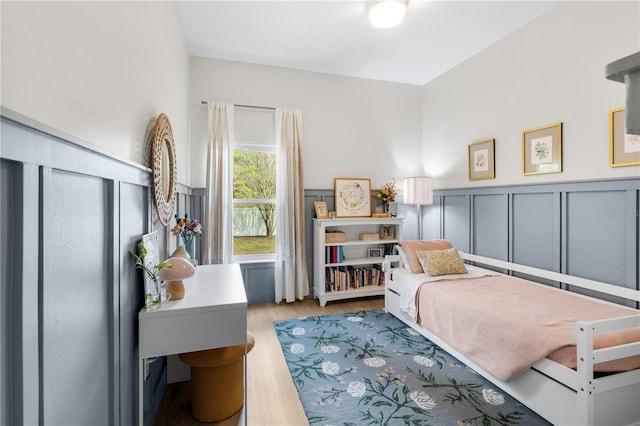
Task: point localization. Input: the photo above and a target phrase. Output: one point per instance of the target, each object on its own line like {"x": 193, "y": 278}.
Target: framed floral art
{"x": 353, "y": 197}
{"x": 624, "y": 148}
{"x": 542, "y": 150}
{"x": 482, "y": 160}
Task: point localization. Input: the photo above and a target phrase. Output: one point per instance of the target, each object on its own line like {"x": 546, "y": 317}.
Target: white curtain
{"x": 291, "y": 267}
{"x": 218, "y": 228}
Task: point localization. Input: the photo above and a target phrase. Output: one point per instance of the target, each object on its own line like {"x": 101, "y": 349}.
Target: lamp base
{"x": 175, "y": 289}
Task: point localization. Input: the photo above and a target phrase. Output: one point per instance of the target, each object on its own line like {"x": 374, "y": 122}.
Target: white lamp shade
{"x": 387, "y": 13}
{"x": 418, "y": 190}
{"x": 181, "y": 269}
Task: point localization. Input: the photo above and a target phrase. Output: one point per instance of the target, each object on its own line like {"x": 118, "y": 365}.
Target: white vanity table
{"x": 212, "y": 314}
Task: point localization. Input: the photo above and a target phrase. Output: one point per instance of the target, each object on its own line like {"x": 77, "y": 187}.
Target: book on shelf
{"x": 334, "y": 254}
{"x": 342, "y": 278}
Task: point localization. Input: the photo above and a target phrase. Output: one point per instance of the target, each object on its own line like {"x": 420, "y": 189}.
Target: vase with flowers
{"x": 188, "y": 229}
{"x": 152, "y": 295}
{"x": 387, "y": 195}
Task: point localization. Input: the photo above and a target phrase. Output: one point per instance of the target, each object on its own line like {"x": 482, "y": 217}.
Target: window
{"x": 254, "y": 184}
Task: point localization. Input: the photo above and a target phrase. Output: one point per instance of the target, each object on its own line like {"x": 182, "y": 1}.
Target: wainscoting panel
{"x": 535, "y": 241}
{"x": 259, "y": 281}
{"x": 76, "y": 300}
{"x": 456, "y": 221}
{"x": 70, "y": 293}
{"x": 489, "y": 235}
{"x": 597, "y": 230}
{"x": 136, "y": 199}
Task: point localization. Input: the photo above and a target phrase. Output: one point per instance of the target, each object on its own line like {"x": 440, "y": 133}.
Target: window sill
{"x": 245, "y": 260}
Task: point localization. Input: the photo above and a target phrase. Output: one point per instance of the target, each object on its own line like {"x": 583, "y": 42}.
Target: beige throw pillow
{"x": 441, "y": 262}
{"x": 411, "y": 247}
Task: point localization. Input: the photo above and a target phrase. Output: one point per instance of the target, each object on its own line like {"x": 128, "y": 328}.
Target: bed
{"x": 601, "y": 387}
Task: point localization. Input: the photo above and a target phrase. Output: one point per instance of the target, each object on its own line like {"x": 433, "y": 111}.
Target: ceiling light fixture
{"x": 387, "y": 13}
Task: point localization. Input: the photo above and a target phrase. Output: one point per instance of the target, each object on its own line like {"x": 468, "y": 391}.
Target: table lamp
{"x": 181, "y": 269}
{"x": 419, "y": 191}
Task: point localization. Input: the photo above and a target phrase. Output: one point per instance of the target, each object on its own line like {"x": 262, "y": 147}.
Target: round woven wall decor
{"x": 163, "y": 157}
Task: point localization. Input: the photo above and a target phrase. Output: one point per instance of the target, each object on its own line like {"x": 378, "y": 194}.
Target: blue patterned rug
{"x": 368, "y": 368}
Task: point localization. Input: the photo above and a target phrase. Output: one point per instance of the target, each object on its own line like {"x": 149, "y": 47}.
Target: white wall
{"x": 98, "y": 71}
{"x": 551, "y": 70}
{"x": 352, "y": 127}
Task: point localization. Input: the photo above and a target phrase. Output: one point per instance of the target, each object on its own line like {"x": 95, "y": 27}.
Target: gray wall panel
{"x": 533, "y": 218}
{"x": 259, "y": 282}
{"x": 9, "y": 359}
{"x": 76, "y": 301}
{"x": 456, "y": 221}
{"x": 69, "y": 282}
{"x": 596, "y": 235}
{"x": 135, "y": 211}
{"x": 431, "y": 221}
{"x": 490, "y": 236}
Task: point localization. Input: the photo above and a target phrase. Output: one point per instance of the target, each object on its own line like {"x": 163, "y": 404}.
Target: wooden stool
{"x": 217, "y": 381}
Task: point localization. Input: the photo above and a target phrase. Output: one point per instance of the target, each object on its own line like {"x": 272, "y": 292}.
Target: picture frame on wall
{"x": 482, "y": 160}
{"x": 542, "y": 150}
{"x": 353, "y": 197}
{"x": 321, "y": 209}
{"x": 624, "y": 148}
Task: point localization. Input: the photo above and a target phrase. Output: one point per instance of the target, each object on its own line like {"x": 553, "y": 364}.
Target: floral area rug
{"x": 369, "y": 368}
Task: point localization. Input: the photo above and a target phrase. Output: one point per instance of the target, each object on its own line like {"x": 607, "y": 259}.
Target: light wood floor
{"x": 272, "y": 398}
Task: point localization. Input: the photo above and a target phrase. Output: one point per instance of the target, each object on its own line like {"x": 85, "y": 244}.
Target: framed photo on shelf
{"x": 542, "y": 150}
{"x": 482, "y": 160}
{"x": 353, "y": 197}
{"x": 375, "y": 252}
{"x": 624, "y": 148}
{"x": 387, "y": 232}
{"x": 321, "y": 209}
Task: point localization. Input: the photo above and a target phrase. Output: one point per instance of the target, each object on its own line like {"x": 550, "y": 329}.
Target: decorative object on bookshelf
{"x": 482, "y": 160}
{"x": 542, "y": 150}
{"x": 332, "y": 215}
{"x": 375, "y": 252}
{"x": 387, "y": 232}
{"x": 387, "y": 194}
{"x": 392, "y": 209}
{"x": 333, "y": 236}
{"x": 624, "y": 148}
{"x": 353, "y": 197}
{"x": 321, "y": 210}
{"x": 364, "y": 236}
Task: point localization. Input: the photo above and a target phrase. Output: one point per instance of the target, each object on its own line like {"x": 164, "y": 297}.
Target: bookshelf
{"x": 348, "y": 256}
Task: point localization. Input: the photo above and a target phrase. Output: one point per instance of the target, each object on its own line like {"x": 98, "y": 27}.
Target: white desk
{"x": 212, "y": 314}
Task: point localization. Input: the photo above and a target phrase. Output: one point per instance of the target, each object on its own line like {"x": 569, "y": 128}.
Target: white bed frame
{"x": 563, "y": 396}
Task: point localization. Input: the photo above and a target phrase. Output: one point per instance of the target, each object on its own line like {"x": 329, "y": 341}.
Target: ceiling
{"x": 335, "y": 36}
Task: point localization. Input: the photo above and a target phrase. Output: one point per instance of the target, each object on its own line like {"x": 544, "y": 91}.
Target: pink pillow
{"x": 410, "y": 248}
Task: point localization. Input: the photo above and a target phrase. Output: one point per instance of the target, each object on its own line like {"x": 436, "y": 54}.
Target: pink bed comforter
{"x": 505, "y": 324}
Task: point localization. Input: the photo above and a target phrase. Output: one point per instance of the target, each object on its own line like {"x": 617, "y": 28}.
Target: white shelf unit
{"x": 355, "y": 250}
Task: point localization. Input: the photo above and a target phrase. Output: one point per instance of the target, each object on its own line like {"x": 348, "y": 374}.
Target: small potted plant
{"x": 152, "y": 297}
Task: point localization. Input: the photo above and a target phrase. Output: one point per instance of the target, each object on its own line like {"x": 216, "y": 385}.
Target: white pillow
{"x": 404, "y": 261}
